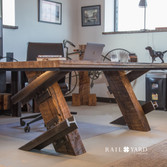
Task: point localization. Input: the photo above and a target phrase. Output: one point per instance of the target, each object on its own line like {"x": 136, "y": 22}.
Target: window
{"x": 156, "y": 14}
{"x": 8, "y": 12}
{"x": 109, "y": 15}
{"x": 129, "y": 16}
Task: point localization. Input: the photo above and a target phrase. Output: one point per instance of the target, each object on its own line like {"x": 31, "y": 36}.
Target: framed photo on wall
{"x": 91, "y": 15}
{"x": 49, "y": 11}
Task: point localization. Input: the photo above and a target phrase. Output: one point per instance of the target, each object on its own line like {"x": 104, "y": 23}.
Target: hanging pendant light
{"x": 143, "y": 4}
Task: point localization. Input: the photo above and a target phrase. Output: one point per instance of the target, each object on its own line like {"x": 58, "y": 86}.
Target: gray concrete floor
{"x": 102, "y": 114}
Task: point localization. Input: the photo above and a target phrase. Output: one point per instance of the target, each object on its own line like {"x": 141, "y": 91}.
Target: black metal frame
{"x": 39, "y": 12}
{"x": 87, "y": 8}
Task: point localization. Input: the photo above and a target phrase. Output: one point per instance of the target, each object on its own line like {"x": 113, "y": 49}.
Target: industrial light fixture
{"x": 143, "y": 4}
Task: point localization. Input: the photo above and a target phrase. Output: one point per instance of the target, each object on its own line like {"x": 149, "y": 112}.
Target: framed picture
{"x": 49, "y": 11}
{"x": 91, "y": 15}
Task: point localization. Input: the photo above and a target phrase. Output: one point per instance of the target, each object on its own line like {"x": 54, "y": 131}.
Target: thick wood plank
{"x": 57, "y": 108}
{"x": 92, "y": 100}
{"x": 84, "y": 87}
{"x": 76, "y": 99}
{"x": 119, "y": 121}
{"x": 74, "y": 145}
{"x": 148, "y": 107}
{"x": 31, "y": 75}
{"x": 132, "y": 75}
{"x": 131, "y": 109}
{"x": 71, "y": 65}
{"x": 5, "y": 101}
{"x": 53, "y": 134}
{"x": 84, "y": 97}
{"x": 84, "y": 84}
{"x": 54, "y": 106}
{"x": 37, "y": 86}
{"x": 82, "y": 49}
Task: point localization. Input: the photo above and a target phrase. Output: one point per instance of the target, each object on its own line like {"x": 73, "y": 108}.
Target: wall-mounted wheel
{"x": 120, "y": 55}
{"x": 117, "y": 55}
{"x": 71, "y": 79}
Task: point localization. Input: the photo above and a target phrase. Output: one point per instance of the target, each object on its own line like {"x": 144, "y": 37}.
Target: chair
{"x": 35, "y": 49}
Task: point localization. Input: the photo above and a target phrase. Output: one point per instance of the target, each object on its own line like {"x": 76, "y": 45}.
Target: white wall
{"x": 90, "y": 33}
{"x": 135, "y": 43}
{"x": 30, "y": 30}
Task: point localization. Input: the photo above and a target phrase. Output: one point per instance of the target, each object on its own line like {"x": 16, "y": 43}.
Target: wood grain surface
{"x": 70, "y": 65}
{"x": 130, "y": 107}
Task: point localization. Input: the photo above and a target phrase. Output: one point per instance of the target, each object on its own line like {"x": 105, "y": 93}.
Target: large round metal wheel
{"x": 71, "y": 79}
{"x": 117, "y": 55}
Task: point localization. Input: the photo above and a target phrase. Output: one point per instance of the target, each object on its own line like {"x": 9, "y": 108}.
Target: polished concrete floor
{"x": 102, "y": 149}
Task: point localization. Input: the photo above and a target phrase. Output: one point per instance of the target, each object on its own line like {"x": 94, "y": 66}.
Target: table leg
{"x": 59, "y": 108}
{"x": 84, "y": 97}
{"x": 54, "y": 111}
{"x": 130, "y": 107}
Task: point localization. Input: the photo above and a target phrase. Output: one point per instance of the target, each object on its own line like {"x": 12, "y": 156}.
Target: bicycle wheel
{"x": 117, "y": 55}
{"x": 71, "y": 80}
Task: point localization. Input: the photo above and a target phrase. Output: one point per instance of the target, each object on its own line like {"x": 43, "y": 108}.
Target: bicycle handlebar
{"x": 69, "y": 42}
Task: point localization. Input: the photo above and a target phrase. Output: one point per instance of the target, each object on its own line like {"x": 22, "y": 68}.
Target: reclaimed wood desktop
{"x": 119, "y": 82}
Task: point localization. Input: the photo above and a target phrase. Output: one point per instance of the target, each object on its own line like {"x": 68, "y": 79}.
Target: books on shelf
{"x": 50, "y": 57}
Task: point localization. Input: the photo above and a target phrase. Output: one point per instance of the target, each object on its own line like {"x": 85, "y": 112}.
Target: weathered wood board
{"x": 131, "y": 109}
{"x": 53, "y": 108}
{"x": 53, "y": 134}
{"x": 79, "y": 65}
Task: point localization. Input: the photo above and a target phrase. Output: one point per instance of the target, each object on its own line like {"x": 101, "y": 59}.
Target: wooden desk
{"x": 71, "y": 65}
{"x": 119, "y": 82}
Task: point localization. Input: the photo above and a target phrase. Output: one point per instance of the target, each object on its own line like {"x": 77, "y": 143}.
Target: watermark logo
{"x": 126, "y": 149}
